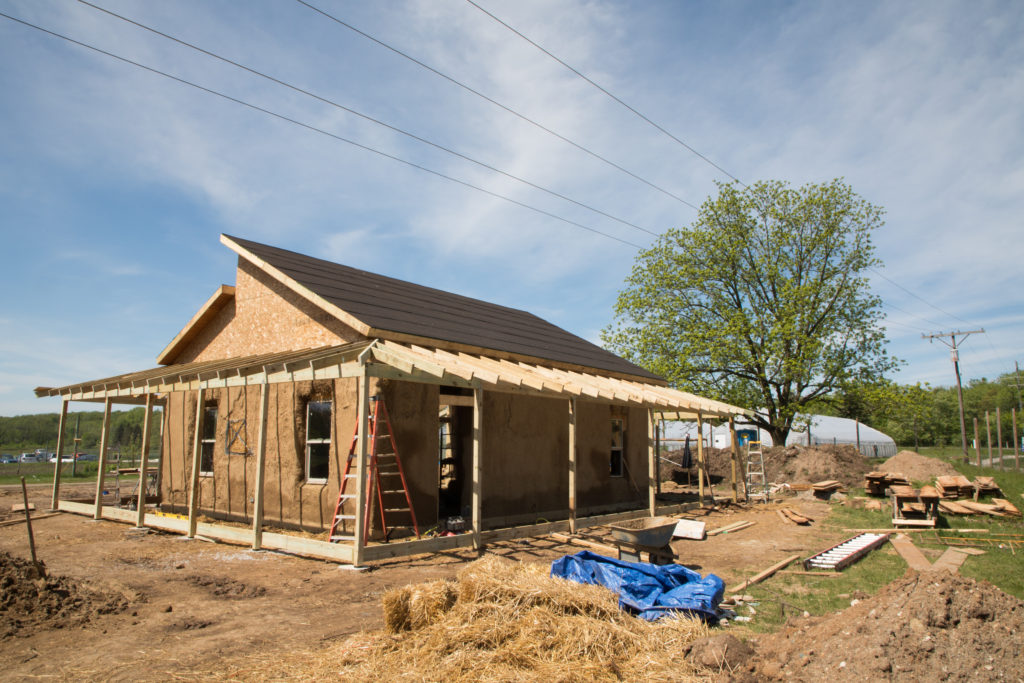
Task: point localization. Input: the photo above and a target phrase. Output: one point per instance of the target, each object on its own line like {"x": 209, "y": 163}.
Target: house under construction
{"x": 498, "y": 418}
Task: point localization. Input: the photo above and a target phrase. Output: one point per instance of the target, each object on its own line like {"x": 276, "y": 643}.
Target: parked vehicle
{"x": 7, "y": 459}
{"x": 63, "y": 458}
{"x": 86, "y": 457}
{"x": 29, "y": 457}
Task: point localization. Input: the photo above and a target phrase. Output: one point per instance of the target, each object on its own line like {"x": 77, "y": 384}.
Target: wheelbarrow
{"x": 651, "y": 535}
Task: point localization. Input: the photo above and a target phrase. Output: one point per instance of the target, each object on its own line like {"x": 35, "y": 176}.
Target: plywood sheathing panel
{"x": 264, "y": 317}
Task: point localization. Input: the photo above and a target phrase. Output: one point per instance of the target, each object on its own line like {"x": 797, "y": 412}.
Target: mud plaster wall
{"x": 526, "y": 457}
{"x": 413, "y": 408}
{"x": 290, "y": 501}
{"x": 264, "y": 317}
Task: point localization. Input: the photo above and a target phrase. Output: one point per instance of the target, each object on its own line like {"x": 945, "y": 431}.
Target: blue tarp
{"x": 648, "y": 590}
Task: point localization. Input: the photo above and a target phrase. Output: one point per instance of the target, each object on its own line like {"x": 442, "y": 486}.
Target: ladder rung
{"x": 343, "y": 538}
{"x": 396, "y": 509}
{"x": 337, "y": 517}
{"x": 347, "y": 495}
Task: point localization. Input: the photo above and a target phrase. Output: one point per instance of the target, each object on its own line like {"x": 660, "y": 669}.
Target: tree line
{"x": 25, "y": 433}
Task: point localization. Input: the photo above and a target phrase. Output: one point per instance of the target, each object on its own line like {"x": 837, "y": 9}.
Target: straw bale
{"x": 501, "y": 621}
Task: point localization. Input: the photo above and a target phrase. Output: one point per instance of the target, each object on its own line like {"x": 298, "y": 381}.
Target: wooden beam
{"x": 652, "y": 465}
{"x": 363, "y": 412}
{"x": 478, "y": 437}
{"x": 60, "y": 452}
{"x": 700, "y": 458}
{"x": 144, "y": 463}
{"x": 102, "y": 458}
{"x": 734, "y": 446}
{"x": 197, "y": 447}
{"x": 261, "y": 463}
{"x": 162, "y": 451}
{"x": 572, "y": 465}
{"x": 758, "y": 578}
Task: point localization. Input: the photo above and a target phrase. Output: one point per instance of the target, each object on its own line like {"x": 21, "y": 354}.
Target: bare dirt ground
{"x": 158, "y": 607}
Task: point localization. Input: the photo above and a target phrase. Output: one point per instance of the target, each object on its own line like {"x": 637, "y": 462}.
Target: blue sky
{"x": 115, "y": 182}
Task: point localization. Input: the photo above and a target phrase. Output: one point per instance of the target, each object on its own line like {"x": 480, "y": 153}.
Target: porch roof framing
{"x": 390, "y": 359}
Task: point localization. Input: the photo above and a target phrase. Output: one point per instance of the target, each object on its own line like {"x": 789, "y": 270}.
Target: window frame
{"x": 211, "y": 441}
{"x": 619, "y": 450}
{"x": 320, "y": 441}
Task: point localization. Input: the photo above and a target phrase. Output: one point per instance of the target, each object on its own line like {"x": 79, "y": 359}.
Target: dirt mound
{"x": 934, "y": 626}
{"x": 791, "y": 464}
{"x": 917, "y": 467}
{"x": 29, "y": 603}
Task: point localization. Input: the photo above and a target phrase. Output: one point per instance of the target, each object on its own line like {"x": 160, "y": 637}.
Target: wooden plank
{"x": 652, "y": 465}
{"x": 728, "y": 528}
{"x": 909, "y": 552}
{"x": 362, "y": 414}
{"x": 261, "y": 463}
{"x": 478, "y": 437}
{"x": 21, "y": 520}
{"x": 101, "y": 471}
{"x": 140, "y": 519}
{"x": 197, "y": 446}
{"x": 572, "y": 465}
{"x": 60, "y": 453}
{"x": 585, "y": 543}
{"x": 949, "y": 561}
{"x": 758, "y": 578}
{"x": 20, "y": 507}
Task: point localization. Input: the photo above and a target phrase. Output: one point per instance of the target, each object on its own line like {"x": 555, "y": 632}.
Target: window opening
{"x": 209, "y": 441}
{"x": 618, "y": 440}
{"x": 318, "y": 441}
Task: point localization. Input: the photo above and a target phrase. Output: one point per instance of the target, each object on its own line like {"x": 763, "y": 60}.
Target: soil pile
{"x": 500, "y": 621}
{"x": 934, "y": 626}
{"x": 29, "y": 603}
{"x": 790, "y": 464}
{"x": 917, "y": 467}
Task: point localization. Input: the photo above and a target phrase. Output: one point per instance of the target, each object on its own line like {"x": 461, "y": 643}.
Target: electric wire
{"x": 366, "y": 117}
{"x": 496, "y": 103}
{"x": 896, "y": 284}
{"x": 606, "y": 92}
{"x": 307, "y": 126}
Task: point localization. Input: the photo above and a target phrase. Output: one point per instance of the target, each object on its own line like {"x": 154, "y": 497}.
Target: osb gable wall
{"x": 264, "y": 317}
{"x": 289, "y": 500}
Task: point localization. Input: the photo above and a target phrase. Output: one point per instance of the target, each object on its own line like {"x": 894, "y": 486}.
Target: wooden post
{"x": 143, "y": 463}
{"x": 572, "y": 465}
{"x": 988, "y": 437}
{"x": 999, "y": 435}
{"x": 478, "y": 437}
{"x": 700, "y": 458}
{"x": 363, "y": 412}
{"x": 162, "y": 451}
{"x": 102, "y": 459}
{"x": 977, "y": 443}
{"x": 28, "y": 524}
{"x": 197, "y": 449}
{"x": 261, "y": 460}
{"x": 652, "y": 465}
{"x": 1016, "y": 442}
{"x": 60, "y": 452}
{"x": 735, "y": 458}
{"x": 657, "y": 454}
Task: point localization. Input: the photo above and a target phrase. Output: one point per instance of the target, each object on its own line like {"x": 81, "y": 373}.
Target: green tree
{"x": 762, "y": 302}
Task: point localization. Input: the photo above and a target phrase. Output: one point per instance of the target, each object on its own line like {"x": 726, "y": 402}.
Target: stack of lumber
{"x": 954, "y": 508}
{"x": 791, "y": 515}
{"x": 826, "y": 488}
{"x": 986, "y": 486}
{"x": 875, "y": 483}
{"x": 954, "y": 486}
{"x": 928, "y": 493}
{"x": 1006, "y": 507}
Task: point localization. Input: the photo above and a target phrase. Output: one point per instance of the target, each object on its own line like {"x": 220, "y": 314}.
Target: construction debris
{"x": 1006, "y": 507}
{"x": 729, "y": 528}
{"x": 954, "y": 486}
{"x": 985, "y": 486}
{"x": 875, "y": 483}
{"x": 790, "y": 515}
{"x": 758, "y": 578}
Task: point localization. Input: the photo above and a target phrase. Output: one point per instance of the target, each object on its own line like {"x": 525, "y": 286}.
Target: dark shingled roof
{"x": 394, "y": 305}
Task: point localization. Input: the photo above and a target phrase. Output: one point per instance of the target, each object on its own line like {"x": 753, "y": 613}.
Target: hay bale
{"x": 417, "y": 606}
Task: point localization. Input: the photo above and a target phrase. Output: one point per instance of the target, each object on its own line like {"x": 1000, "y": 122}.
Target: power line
{"x": 606, "y": 92}
{"x": 496, "y": 103}
{"x": 366, "y": 117}
{"x": 896, "y": 284}
{"x": 307, "y": 126}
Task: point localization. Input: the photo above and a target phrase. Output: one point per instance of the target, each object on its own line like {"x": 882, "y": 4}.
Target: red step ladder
{"x": 384, "y": 476}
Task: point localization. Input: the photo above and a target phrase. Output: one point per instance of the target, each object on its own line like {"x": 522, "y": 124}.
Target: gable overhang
{"x": 220, "y": 298}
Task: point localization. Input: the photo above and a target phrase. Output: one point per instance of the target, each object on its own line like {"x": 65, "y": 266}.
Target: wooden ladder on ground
{"x": 384, "y": 475}
{"x": 757, "y": 486}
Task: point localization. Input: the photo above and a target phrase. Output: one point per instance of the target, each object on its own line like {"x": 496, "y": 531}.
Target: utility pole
{"x": 955, "y": 357}
{"x": 1020, "y": 406}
